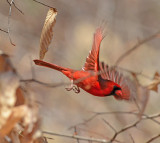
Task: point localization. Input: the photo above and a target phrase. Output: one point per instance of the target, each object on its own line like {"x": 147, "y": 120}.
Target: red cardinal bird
{"x": 95, "y": 77}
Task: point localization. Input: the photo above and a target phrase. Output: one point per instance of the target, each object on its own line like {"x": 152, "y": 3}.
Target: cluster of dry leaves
{"x": 19, "y": 121}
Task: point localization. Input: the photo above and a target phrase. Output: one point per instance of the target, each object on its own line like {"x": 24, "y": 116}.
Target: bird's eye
{"x": 116, "y": 88}
{"x": 117, "y": 92}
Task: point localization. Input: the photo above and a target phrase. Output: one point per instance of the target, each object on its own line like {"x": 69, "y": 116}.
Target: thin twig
{"x": 10, "y": 11}
{"x": 18, "y": 8}
{"x": 43, "y": 4}
{"x": 75, "y": 132}
{"x": 124, "y": 129}
{"x": 3, "y": 30}
{"x": 43, "y": 83}
{"x": 109, "y": 125}
{"x": 140, "y": 43}
{"x": 136, "y": 73}
{"x": 85, "y": 121}
{"x": 132, "y": 139}
{"x": 76, "y": 137}
{"x": 153, "y": 138}
{"x": 144, "y": 116}
{"x": 55, "y": 85}
{"x": 15, "y": 6}
{"x": 45, "y": 139}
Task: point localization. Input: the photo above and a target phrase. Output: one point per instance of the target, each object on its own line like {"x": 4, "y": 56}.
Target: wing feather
{"x": 110, "y": 73}
{"x": 92, "y": 61}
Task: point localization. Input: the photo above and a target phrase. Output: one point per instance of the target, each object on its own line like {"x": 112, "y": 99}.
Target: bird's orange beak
{"x": 119, "y": 93}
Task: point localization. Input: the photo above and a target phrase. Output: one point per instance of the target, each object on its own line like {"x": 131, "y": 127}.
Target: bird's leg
{"x": 70, "y": 87}
{"x": 73, "y": 87}
{"x": 76, "y": 89}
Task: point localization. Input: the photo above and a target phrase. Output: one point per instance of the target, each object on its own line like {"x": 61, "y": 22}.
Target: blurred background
{"x": 126, "y": 22}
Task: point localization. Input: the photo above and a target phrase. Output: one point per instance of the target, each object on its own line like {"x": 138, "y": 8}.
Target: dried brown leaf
{"x": 20, "y": 100}
{"x": 16, "y": 115}
{"x": 47, "y": 33}
{"x": 8, "y": 85}
{"x": 5, "y": 64}
{"x": 156, "y": 81}
{"x": 31, "y": 136}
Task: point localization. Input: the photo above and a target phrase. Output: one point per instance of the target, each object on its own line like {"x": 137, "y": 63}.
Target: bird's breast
{"x": 89, "y": 82}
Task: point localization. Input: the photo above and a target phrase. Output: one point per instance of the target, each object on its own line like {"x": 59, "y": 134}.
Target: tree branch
{"x": 144, "y": 116}
{"x": 140, "y": 43}
{"x": 124, "y": 129}
{"x": 43, "y": 4}
{"x": 153, "y": 138}
{"x": 10, "y": 11}
{"x": 51, "y": 85}
{"x": 3, "y": 30}
{"x": 76, "y": 137}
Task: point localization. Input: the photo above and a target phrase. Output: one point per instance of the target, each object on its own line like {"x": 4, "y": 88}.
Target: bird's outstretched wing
{"x": 110, "y": 73}
{"x": 92, "y": 61}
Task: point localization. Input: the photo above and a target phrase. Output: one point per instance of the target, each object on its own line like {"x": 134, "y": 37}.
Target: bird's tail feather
{"x": 49, "y": 65}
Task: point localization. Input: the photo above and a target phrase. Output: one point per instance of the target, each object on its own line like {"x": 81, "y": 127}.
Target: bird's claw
{"x": 72, "y": 87}
{"x": 76, "y": 89}
{"x": 69, "y": 88}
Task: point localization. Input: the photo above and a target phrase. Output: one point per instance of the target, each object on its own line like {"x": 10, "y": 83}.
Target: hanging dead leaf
{"x": 156, "y": 81}
{"x": 47, "y": 33}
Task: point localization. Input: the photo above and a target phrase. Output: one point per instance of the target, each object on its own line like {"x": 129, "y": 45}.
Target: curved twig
{"x": 140, "y": 43}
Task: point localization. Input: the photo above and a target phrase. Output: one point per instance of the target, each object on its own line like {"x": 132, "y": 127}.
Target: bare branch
{"x": 136, "y": 73}
{"x": 10, "y": 11}
{"x": 132, "y": 138}
{"x": 153, "y": 138}
{"x": 75, "y": 132}
{"x": 140, "y": 43}
{"x": 86, "y": 121}
{"x": 18, "y": 8}
{"x": 109, "y": 125}
{"x": 54, "y": 85}
{"x": 45, "y": 139}
{"x": 124, "y": 129}
{"x": 15, "y": 6}
{"x": 43, "y": 4}
{"x": 3, "y": 30}
{"x": 43, "y": 83}
{"x": 76, "y": 137}
{"x": 144, "y": 116}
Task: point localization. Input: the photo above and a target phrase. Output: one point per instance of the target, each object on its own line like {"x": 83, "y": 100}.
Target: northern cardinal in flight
{"x": 95, "y": 77}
